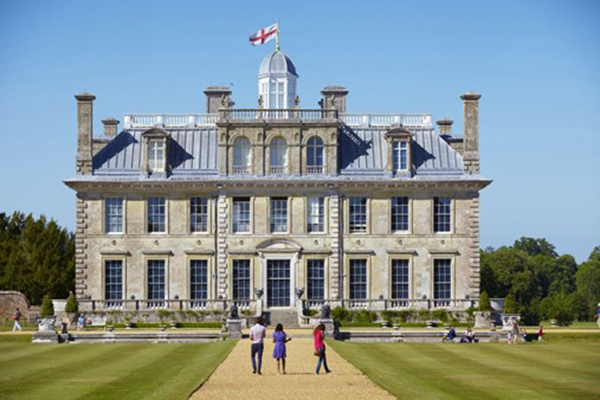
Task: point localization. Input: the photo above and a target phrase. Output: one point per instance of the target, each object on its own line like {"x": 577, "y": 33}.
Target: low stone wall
{"x": 411, "y": 337}
{"x": 10, "y": 301}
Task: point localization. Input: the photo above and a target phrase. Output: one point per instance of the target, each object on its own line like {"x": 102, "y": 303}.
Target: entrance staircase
{"x": 289, "y": 318}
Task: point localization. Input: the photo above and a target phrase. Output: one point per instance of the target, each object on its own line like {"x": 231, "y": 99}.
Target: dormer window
{"x": 399, "y": 157}
{"x": 155, "y": 151}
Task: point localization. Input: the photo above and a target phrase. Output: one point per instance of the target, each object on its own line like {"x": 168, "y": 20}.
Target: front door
{"x": 278, "y": 283}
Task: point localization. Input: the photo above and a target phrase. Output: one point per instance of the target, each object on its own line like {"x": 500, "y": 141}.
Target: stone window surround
{"x": 166, "y": 259}
{"x": 269, "y": 163}
{"x": 210, "y": 278}
{"x": 443, "y": 256}
{"x": 289, "y": 215}
{"x": 231, "y": 155}
{"x": 411, "y": 274}
{"x": 155, "y": 134}
{"x": 408, "y": 155}
{"x": 452, "y": 214}
{"x": 252, "y": 260}
{"x": 410, "y": 216}
{"x": 347, "y": 214}
{"x": 102, "y": 269}
{"x": 325, "y": 273}
{"x": 230, "y": 201}
{"x": 368, "y": 256}
{"x": 326, "y": 198}
{"x": 305, "y": 152}
{"x": 167, "y": 215}
{"x": 209, "y": 212}
{"x": 124, "y": 216}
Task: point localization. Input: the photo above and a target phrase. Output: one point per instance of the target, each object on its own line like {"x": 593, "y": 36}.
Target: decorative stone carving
{"x": 47, "y": 324}
{"x": 233, "y": 313}
{"x": 299, "y": 292}
{"x": 259, "y": 292}
{"x": 326, "y": 311}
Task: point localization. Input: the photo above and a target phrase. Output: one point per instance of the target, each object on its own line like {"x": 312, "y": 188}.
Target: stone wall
{"x": 10, "y": 301}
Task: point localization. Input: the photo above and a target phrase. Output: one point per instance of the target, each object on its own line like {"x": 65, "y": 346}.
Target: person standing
{"x": 17, "y": 317}
{"x": 257, "y": 336}
{"x": 279, "y": 352}
{"x": 319, "y": 335}
{"x": 598, "y": 315}
{"x": 540, "y": 334}
{"x": 515, "y": 331}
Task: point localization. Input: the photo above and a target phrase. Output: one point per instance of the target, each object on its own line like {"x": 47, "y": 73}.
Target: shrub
{"x": 310, "y": 312}
{"x": 559, "y": 307}
{"x": 471, "y": 314}
{"x": 441, "y": 315}
{"x": 340, "y": 314}
{"x": 163, "y": 315}
{"x": 388, "y": 315}
{"x": 424, "y": 315}
{"x": 406, "y": 315}
{"x": 72, "y": 306}
{"x": 484, "y": 302}
{"x": 510, "y": 305}
{"x": 47, "y": 307}
{"x": 364, "y": 316}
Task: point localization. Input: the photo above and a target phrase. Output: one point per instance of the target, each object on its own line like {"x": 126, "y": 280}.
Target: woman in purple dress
{"x": 280, "y": 339}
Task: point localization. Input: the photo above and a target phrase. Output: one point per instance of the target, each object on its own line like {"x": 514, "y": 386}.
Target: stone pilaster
{"x": 81, "y": 258}
{"x": 336, "y": 237}
{"x": 222, "y": 226}
{"x": 474, "y": 261}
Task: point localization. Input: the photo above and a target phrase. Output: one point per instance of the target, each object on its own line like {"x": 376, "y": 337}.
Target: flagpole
{"x": 277, "y": 36}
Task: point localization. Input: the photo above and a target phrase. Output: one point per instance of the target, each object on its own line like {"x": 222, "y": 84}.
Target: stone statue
{"x": 260, "y": 102}
{"x": 326, "y": 311}
{"x": 234, "y": 312}
{"x": 297, "y": 101}
{"x": 224, "y": 102}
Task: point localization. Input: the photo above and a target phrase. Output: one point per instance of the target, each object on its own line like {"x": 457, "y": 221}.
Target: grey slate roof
{"x": 362, "y": 153}
{"x": 191, "y": 151}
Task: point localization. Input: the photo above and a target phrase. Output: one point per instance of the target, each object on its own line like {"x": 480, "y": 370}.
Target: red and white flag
{"x": 264, "y": 35}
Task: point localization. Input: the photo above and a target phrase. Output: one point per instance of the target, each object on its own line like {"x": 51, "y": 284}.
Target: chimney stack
{"x": 445, "y": 126}
{"x": 471, "y": 136}
{"x": 111, "y": 127}
{"x": 85, "y": 102}
{"x": 217, "y": 97}
{"x": 334, "y": 97}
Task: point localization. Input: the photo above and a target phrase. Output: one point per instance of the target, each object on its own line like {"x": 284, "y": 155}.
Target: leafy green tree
{"x": 72, "y": 306}
{"x": 484, "y": 302}
{"x": 588, "y": 283}
{"x": 533, "y": 247}
{"x": 559, "y": 306}
{"x": 510, "y": 305}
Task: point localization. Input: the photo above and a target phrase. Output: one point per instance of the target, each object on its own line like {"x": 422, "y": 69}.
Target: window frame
{"x": 152, "y": 155}
{"x": 123, "y": 215}
{"x": 408, "y": 215}
{"x": 316, "y": 169}
{"x": 452, "y": 260}
{"x": 250, "y": 277}
{"x": 207, "y": 216}
{"x": 166, "y": 215}
{"x": 191, "y": 260}
{"x": 241, "y": 169}
{"x": 400, "y": 147}
{"x": 123, "y": 261}
{"x": 307, "y": 278}
{"x": 349, "y": 215}
{"x": 309, "y": 215}
{"x": 409, "y": 282}
{"x": 274, "y": 169}
{"x": 167, "y": 277}
{"x": 250, "y": 215}
{"x": 287, "y": 214}
{"x": 451, "y": 215}
{"x": 367, "y": 282}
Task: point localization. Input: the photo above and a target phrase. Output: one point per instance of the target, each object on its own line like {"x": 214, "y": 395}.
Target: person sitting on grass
{"x": 470, "y": 335}
{"x": 280, "y": 338}
{"x": 450, "y": 335}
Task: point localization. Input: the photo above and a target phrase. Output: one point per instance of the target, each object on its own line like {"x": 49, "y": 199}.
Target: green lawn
{"x": 105, "y": 371}
{"x": 480, "y": 371}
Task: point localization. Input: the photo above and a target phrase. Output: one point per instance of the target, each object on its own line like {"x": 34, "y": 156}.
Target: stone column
{"x": 471, "y": 136}
{"x": 111, "y": 127}
{"x": 85, "y": 102}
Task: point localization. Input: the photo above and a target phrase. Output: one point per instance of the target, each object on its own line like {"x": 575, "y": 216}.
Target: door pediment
{"x": 279, "y": 246}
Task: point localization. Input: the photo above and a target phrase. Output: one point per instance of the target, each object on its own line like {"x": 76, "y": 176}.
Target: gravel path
{"x": 233, "y": 379}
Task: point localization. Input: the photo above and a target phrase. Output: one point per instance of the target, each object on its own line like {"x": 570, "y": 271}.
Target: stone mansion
{"x": 296, "y": 207}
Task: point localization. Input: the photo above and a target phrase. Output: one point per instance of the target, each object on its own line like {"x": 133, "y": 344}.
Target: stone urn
{"x": 508, "y": 320}
{"x": 554, "y": 323}
{"x": 429, "y": 324}
{"x": 173, "y": 324}
{"x": 47, "y": 324}
{"x": 396, "y": 326}
{"x": 483, "y": 319}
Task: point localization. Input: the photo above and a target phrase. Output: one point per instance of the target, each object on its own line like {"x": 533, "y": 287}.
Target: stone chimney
{"x": 111, "y": 127}
{"x": 217, "y": 97}
{"x": 471, "y": 136}
{"x": 334, "y": 97}
{"x": 445, "y": 126}
{"x": 85, "y": 102}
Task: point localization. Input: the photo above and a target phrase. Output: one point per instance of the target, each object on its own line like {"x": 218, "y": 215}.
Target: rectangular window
{"x": 358, "y": 214}
{"x": 156, "y": 155}
{"x": 316, "y": 214}
{"x": 399, "y": 214}
{"x": 156, "y": 215}
{"x": 315, "y": 281}
{"x": 400, "y": 156}
{"x": 241, "y": 279}
{"x": 442, "y": 214}
{"x": 241, "y": 215}
{"x": 113, "y": 208}
{"x": 442, "y": 279}
{"x": 199, "y": 214}
{"x": 156, "y": 279}
{"x": 400, "y": 279}
{"x": 358, "y": 279}
{"x": 279, "y": 214}
{"x": 113, "y": 280}
{"x": 199, "y": 279}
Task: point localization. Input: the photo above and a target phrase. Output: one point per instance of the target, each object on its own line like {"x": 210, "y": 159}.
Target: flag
{"x": 264, "y": 35}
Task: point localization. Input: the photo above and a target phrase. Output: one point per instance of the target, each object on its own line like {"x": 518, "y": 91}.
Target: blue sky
{"x": 536, "y": 63}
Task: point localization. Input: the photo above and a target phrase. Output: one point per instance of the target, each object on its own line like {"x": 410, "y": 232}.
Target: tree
{"x": 484, "y": 302}
{"x": 533, "y": 247}
{"x": 47, "y": 307}
{"x": 559, "y": 306}
{"x": 510, "y": 305}
{"x": 588, "y": 283}
{"x": 72, "y": 306}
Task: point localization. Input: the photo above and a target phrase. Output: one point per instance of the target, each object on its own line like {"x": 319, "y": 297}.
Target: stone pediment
{"x": 279, "y": 246}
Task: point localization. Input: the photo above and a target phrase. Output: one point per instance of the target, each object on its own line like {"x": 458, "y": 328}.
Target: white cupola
{"x": 277, "y": 81}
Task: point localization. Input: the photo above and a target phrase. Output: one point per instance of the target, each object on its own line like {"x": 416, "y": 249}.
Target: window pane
{"x": 113, "y": 280}
{"x": 442, "y": 279}
{"x": 442, "y": 214}
{"x": 114, "y": 215}
{"x": 156, "y": 214}
{"x": 278, "y": 153}
{"x": 314, "y": 155}
{"x": 358, "y": 279}
{"x": 315, "y": 271}
{"x": 399, "y": 214}
{"x": 400, "y": 155}
{"x": 156, "y": 279}
{"x": 199, "y": 214}
{"x": 358, "y": 214}
{"x": 241, "y": 214}
{"x": 316, "y": 214}
{"x": 279, "y": 214}
{"x": 199, "y": 279}
{"x": 400, "y": 279}
{"x": 241, "y": 279}
{"x": 241, "y": 153}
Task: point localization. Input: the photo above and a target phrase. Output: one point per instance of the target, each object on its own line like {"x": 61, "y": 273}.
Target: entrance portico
{"x": 278, "y": 271}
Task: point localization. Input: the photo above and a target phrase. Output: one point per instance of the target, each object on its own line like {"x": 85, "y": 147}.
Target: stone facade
{"x": 120, "y": 170}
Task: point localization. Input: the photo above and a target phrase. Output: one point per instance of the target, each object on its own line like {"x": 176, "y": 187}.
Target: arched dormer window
{"x": 241, "y": 156}
{"x": 314, "y": 155}
{"x": 155, "y": 151}
{"x": 278, "y": 156}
